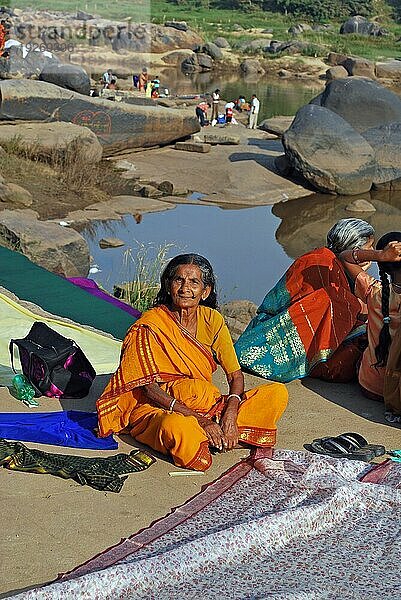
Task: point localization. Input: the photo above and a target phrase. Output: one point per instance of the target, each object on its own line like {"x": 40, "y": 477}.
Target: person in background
{"x": 311, "y": 323}
{"x": 3, "y": 34}
{"x": 383, "y": 299}
{"x": 143, "y": 80}
{"x": 156, "y": 87}
{"x": 253, "y": 116}
{"x": 149, "y": 89}
{"x": 107, "y": 77}
{"x": 239, "y": 103}
{"x": 215, "y": 105}
{"x": 201, "y": 112}
{"x": 135, "y": 81}
{"x": 112, "y": 85}
{"x": 229, "y": 107}
{"x": 162, "y": 393}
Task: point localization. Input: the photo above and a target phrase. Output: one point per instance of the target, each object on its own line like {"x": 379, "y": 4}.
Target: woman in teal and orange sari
{"x": 311, "y": 323}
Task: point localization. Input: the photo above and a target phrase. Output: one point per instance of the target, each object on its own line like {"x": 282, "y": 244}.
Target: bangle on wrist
{"x": 170, "y": 408}
{"x": 234, "y": 396}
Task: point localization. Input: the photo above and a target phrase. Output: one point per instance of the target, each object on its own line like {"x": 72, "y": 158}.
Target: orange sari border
{"x": 202, "y": 459}
{"x": 257, "y": 436}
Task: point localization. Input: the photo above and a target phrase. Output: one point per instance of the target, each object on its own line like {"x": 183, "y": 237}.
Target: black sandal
{"x": 331, "y": 446}
{"x": 356, "y": 441}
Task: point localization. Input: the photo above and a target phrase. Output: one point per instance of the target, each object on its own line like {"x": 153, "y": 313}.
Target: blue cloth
{"x": 71, "y": 428}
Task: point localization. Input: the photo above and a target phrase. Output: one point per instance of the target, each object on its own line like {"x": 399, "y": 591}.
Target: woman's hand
{"x": 214, "y": 433}
{"x": 391, "y": 253}
{"x": 230, "y": 428}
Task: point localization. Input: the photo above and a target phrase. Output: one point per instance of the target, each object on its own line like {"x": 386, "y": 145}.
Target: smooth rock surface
{"x": 193, "y": 147}
{"x": 111, "y": 242}
{"x": 58, "y": 249}
{"x": 50, "y": 138}
{"x": 386, "y": 143}
{"x": 70, "y": 77}
{"x": 363, "y": 103}
{"x": 117, "y": 125}
{"x": 325, "y": 150}
{"x": 360, "y": 205}
{"x": 277, "y": 125}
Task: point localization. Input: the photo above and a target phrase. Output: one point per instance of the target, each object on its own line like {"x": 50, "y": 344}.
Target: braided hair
{"x": 386, "y": 272}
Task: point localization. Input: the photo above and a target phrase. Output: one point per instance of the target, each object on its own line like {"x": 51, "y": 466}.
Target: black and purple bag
{"x": 54, "y": 365}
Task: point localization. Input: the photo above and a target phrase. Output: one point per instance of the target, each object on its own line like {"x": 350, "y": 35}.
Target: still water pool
{"x": 248, "y": 248}
{"x": 240, "y": 244}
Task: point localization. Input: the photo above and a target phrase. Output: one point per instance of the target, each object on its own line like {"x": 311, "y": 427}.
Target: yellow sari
{"x": 158, "y": 349}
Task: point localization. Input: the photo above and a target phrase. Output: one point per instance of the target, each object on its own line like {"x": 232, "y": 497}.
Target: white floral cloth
{"x": 296, "y": 526}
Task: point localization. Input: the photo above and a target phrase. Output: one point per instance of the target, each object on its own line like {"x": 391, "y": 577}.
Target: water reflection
{"x": 305, "y": 221}
{"x": 276, "y": 97}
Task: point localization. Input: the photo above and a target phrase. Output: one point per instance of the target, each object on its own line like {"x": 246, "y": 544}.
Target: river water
{"x": 249, "y": 248}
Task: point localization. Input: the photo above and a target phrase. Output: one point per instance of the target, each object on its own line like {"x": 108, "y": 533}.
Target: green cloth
{"x": 105, "y": 474}
{"x": 58, "y": 296}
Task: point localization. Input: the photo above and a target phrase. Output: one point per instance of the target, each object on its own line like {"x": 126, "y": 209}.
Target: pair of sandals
{"x": 347, "y": 445}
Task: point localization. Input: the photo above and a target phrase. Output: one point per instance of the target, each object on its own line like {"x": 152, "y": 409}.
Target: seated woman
{"x": 308, "y": 324}
{"x": 383, "y": 299}
{"x": 162, "y": 393}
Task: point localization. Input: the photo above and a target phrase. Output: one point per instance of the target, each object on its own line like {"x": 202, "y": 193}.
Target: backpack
{"x": 54, "y": 365}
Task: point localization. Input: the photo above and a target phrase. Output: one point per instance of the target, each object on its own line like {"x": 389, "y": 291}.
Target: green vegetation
{"x": 211, "y": 21}
{"x": 141, "y": 270}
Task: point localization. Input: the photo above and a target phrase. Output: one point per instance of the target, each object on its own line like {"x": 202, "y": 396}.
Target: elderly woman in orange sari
{"x": 162, "y": 392}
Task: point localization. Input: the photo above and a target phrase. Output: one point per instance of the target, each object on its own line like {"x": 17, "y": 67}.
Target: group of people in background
{"x": 240, "y": 105}
{"x": 140, "y": 82}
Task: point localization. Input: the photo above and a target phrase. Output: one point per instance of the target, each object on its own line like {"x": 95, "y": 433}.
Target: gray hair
{"x": 208, "y": 278}
{"x": 348, "y": 234}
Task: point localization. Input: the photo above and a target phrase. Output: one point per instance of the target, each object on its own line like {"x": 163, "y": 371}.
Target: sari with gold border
{"x": 302, "y": 321}
{"x": 158, "y": 349}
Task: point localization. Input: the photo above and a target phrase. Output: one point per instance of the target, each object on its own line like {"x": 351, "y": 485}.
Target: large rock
{"x": 386, "y": 143}
{"x": 326, "y": 151}
{"x": 48, "y": 139}
{"x": 221, "y": 42}
{"x": 251, "y": 66}
{"x": 150, "y": 37}
{"x": 336, "y": 72}
{"x": 56, "y": 248}
{"x": 361, "y": 26}
{"x": 118, "y": 126}
{"x": 388, "y": 70}
{"x": 70, "y": 77}
{"x": 180, "y": 25}
{"x": 359, "y": 66}
{"x": 276, "y": 125}
{"x": 197, "y": 62}
{"x": 17, "y": 66}
{"x": 212, "y": 50}
{"x": 14, "y": 194}
{"x": 363, "y": 103}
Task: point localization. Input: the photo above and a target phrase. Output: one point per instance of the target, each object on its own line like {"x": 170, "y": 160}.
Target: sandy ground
{"x": 50, "y": 525}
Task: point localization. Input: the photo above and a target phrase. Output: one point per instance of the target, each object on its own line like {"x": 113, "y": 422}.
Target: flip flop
{"x": 329, "y": 446}
{"x": 356, "y": 441}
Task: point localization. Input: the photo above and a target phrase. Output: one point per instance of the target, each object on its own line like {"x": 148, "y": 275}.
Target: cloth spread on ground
{"x": 71, "y": 428}
{"x": 158, "y": 349}
{"x": 16, "y": 320}
{"x": 105, "y": 474}
{"x": 92, "y": 287}
{"x": 302, "y": 321}
{"x": 58, "y": 296}
{"x": 293, "y": 525}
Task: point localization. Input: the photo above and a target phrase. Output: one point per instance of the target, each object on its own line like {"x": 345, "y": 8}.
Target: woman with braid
{"x": 383, "y": 299}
